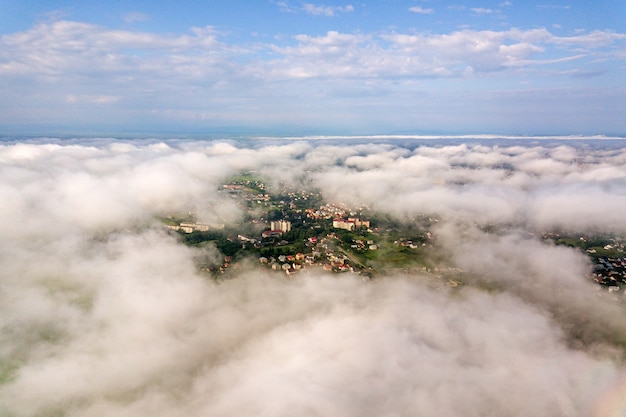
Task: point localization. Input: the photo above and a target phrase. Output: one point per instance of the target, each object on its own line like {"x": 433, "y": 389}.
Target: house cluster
{"x": 330, "y": 211}
{"x": 327, "y": 211}
{"x": 301, "y": 196}
{"x": 240, "y": 192}
{"x": 610, "y": 271}
{"x": 341, "y": 216}
{"x": 360, "y": 244}
{"x": 322, "y": 255}
{"x": 290, "y": 264}
{"x": 408, "y": 243}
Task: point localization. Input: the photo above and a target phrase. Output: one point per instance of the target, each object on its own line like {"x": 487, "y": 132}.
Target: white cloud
{"x": 530, "y": 194}
{"x": 554, "y": 6}
{"x": 64, "y": 48}
{"x": 135, "y": 17}
{"x": 202, "y": 78}
{"x": 481, "y": 10}
{"x": 102, "y": 313}
{"x": 593, "y": 39}
{"x": 91, "y": 99}
{"x": 483, "y": 51}
{"x": 448, "y": 55}
{"x": 421, "y": 10}
{"x": 326, "y": 10}
{"x": 314, "y": 9}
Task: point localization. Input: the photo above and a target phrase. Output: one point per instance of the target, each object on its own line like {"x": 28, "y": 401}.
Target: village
{"x": 287, "y": 232}
{"x": 290, "y": 231}
{"x": 282, "y": 247}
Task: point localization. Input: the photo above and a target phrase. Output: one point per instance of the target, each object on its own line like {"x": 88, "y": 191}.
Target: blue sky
{"x": 554, "y": 67}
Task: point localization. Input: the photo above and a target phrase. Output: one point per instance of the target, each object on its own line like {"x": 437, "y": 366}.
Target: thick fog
{"x": 105, "y": 313}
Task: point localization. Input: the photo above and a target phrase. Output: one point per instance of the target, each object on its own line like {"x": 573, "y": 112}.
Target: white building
{"x": 281, "y": 225}
{"x": 344, "y": 224}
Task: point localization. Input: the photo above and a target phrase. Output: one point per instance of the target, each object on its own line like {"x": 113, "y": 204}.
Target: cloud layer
{"x": 99, "y": 75}
{"x": 102, "y": 313}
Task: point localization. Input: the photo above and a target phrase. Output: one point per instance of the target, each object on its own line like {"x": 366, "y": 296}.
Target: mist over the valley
{"x": 103, "y": 312}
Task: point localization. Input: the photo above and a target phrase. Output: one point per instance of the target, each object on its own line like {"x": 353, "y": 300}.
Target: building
{"x": 280, "y": 225}
{"x": 245, "y": 238}
{"x": 344, "y": 224}
{"x": 359, "y": 222}
{"x": 271, "y": 233}
{"x": 191, "y": 227}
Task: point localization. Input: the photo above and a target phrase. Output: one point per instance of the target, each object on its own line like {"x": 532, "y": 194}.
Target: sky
{"x": 270, "y": 66}
{"x": 103, "y": 313}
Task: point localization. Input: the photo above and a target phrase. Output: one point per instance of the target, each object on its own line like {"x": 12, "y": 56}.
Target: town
{"x": 288, "y": 231}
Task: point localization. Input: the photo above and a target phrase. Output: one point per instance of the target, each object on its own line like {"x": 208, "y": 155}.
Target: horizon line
{"x": 216, "y": 136}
